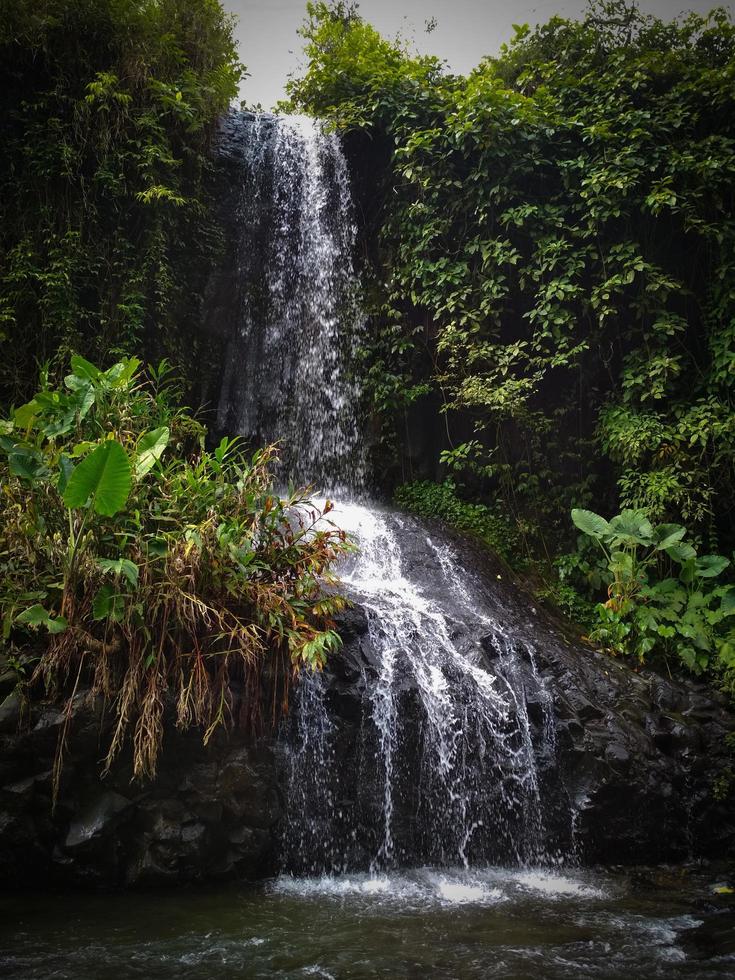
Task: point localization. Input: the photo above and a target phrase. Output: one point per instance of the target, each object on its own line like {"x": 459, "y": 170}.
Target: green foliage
{"x": 569, "y": 602}
{"x": 106, "y": 230}
{"x": 440, "y": 501}
{"x": 556, "y": 254}
{"x": 723, "y": 784}
{"x": 355, "y": 76}
{"x": 663, "y": 598}
{"x": 105, "y": 476}
{"x": 151, "y": 567}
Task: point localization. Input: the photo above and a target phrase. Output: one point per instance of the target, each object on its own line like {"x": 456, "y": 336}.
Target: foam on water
{"x": 415, "y": 888}
{"x": 555, "y": 885}
{"x": 443, "y": 923}
{"x": 450, "y": 886}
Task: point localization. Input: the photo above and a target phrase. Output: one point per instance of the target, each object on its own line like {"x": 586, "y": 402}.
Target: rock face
{"x": 638, "y": 762}
{"x": 642, "y": 759}
{"x": 209, "y": 814}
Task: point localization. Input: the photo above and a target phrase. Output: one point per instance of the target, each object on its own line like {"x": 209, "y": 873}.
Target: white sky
{"x": 466, "y": 30}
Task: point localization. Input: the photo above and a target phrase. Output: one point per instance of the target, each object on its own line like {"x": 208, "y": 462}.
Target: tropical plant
{"x": 156, "y": 571}
{"x": 107, "y": 223}
{"x": 556, "y": 235}
{"x": 663, "y": 598}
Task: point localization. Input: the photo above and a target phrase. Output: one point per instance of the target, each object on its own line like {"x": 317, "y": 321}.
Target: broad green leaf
{"x": 84, "y": 395}
{"x": 632, "y": 527}
{"x": 130, "y": 571}
{"x": 84, "y": 369}
{"x": 38, "y": 616}
{"x": 60, "y": 425}
{"x": 727, "y": 605}
{"x": 66, "y": 468}
{"x": 590, "y": 523}
{"x": 666, "y": 588}
{"x": 104, "y": 476}
{"x": 681, "y": 552}
{"x": 666, "y": 535}
{"x": 26, "y": 463}
{"x": 710, "y": 566}
{"x": 33, "y": 616}
{"x": 122, "y": 374}
{"x": 108, "y": 604}
{"x": 82, "y": 448}
{"x": 150, "y": 448}
{"x": 56, "y": 625}
{"x": 621, "y": 563}
{"x": 121, "y": 566}
{"x": 25, "y": 416}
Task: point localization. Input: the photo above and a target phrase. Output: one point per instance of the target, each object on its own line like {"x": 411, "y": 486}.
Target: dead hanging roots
{"x": 189, "y": 597}
{"x": 227, "y": 672}
{"x": 212, "y": 663}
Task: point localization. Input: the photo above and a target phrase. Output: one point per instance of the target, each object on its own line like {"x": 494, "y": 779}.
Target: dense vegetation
{"x": 556, "y": 264}
{"x": 137, "y": 558}
{"x": 106, "y": 225}
{"x": 149, "y": 566}
{"x": 662, "y": 595}
{"x": 551, "y": 274}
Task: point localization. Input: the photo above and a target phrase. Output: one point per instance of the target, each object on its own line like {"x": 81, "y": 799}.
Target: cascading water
{"x": 288, "y": 370}
{"x": 445, "y": 767}
{"x": 472, "y": 750}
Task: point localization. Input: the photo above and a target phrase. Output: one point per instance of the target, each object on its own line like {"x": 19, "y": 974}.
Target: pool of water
{"x": 427, "y": 923}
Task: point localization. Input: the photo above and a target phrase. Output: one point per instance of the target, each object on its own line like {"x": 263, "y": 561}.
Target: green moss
{"x": 440, "y": 502}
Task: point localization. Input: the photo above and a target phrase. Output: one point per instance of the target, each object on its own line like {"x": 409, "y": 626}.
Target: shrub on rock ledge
{"x": 136, "y": 560}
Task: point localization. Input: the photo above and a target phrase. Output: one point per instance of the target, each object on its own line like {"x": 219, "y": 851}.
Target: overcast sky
{"x": 466, "y": 30}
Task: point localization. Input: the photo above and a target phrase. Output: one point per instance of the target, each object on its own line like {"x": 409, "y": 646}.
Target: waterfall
{"x": 447, "y": 767}
{"x": 289, "y": 372}
{"x": 441, "y": 764}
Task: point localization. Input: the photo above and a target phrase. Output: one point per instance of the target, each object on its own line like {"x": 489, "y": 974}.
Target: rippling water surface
{"x": 424, "y": 923}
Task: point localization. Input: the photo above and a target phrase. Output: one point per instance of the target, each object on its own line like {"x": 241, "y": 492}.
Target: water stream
{"x": 448, "y": 744}
{"x": 511, "y": 924}
{"x": 290, "y": 371}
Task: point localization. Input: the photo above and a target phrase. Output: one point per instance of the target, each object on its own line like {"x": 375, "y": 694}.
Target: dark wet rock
{"x": 713, "y": 937}
{"x": 10, "y": 712}
{"x": 8, "y": 682}
{"x": 211, "y": 813}
{"x": 637, "y": 757}
{"x": 98, "y": 820}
